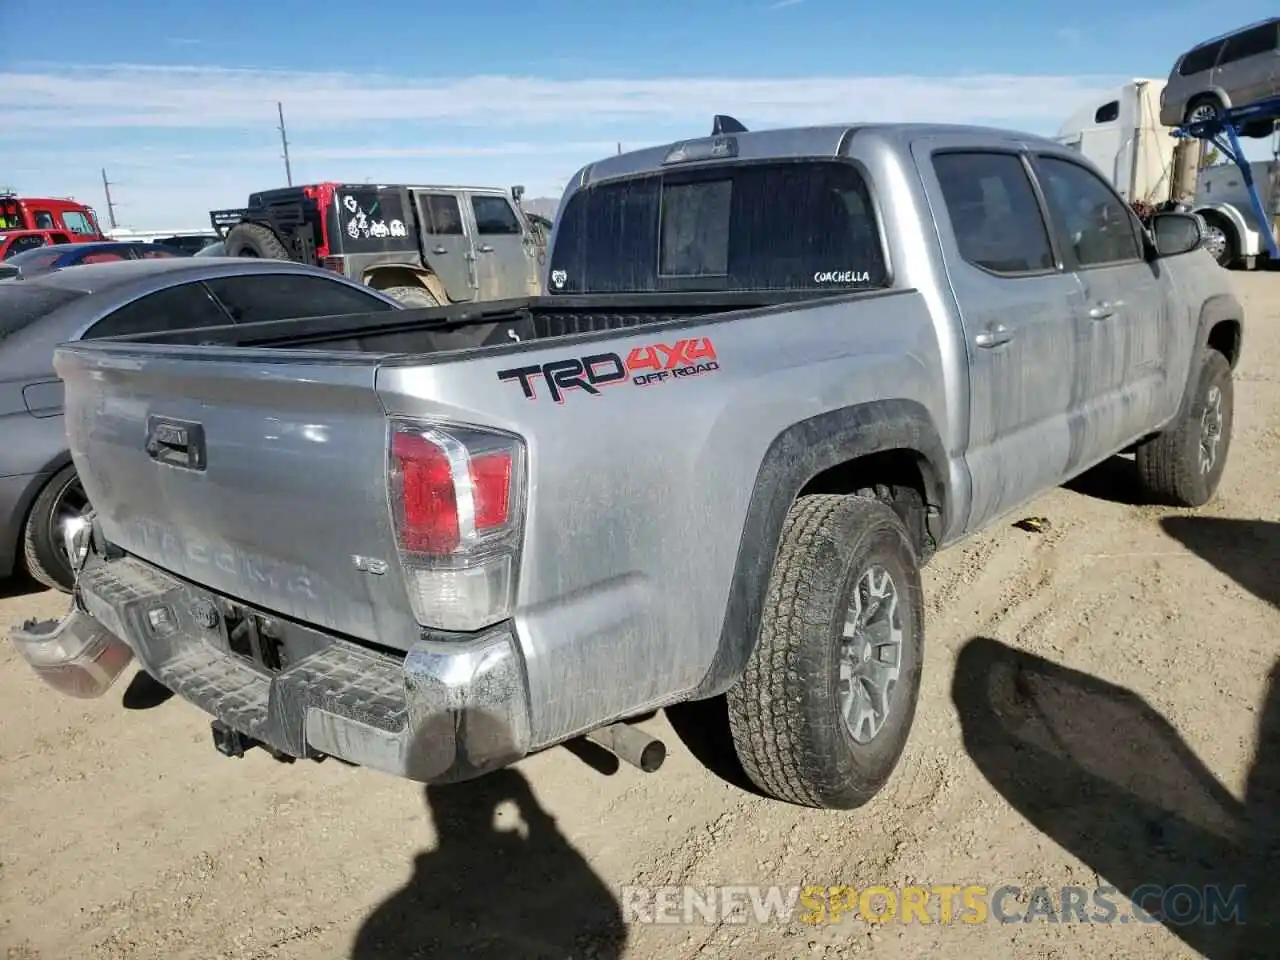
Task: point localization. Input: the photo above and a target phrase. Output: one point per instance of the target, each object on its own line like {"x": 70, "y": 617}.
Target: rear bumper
{"x": 446, "y": 711}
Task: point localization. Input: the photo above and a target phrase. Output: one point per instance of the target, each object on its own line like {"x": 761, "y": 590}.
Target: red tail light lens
{"x": 445, "y": 493}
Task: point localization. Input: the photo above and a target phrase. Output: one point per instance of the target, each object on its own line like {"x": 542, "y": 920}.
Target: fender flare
{"x": 426, "y": 277}
{"x": 797, "y": 455}
{"x": 1216, "y": 309}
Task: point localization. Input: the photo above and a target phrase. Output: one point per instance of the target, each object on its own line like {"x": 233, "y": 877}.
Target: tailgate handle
{"x": 177, "y": 443}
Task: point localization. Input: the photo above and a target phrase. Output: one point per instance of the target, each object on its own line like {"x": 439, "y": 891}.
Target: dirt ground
{"x": 1127, "y": 751}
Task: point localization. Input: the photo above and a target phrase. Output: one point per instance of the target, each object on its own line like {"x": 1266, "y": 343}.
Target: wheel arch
{"x": 885, "y": 442}
{"x": 11, "y": 547}
{"x": 404, "y": 275}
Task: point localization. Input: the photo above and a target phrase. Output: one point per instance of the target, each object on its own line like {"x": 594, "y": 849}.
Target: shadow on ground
{"x": 500, "y": 884}
{"x": 1106, "y": 777}
{"x": 20, "y": 585}
{"x": 1114, "y": 480}
{"x": 703, "y": 727}
{"x": 1247, "y": 551}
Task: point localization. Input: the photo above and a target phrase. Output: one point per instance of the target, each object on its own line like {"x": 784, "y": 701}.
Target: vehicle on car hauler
{"x": 424, "y": 245}
{"x": 775, "y": 372}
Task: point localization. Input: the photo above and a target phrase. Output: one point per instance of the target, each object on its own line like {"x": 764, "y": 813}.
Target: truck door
{"x": 1018, "y": 316}
{"x": 504, "y": 259}
{"x": 446, "y": 243}
{"x": 1123, "y": 322}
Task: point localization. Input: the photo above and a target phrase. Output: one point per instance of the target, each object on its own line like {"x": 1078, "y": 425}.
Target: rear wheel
{"x": 62, "y": 500}
{"x": 1203, "y": 108}
{"x": 823, "y": 710}
{"x": 412, "y": 296}
{"x": 255, "y": 240}
{"x": 1220, "y": 240}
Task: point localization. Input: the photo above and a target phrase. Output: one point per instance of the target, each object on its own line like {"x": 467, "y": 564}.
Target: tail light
{"x": 336, "y": 264}
{"x": 457, "y": 504}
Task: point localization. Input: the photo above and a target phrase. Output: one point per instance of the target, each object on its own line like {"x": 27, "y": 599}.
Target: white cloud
{"x": 203, "y": 97}
{"x": 181, "y": 140}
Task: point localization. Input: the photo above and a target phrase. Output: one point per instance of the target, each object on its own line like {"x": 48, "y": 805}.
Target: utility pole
{"x": 284, "y": 142}
{"x": 111, "y": 206}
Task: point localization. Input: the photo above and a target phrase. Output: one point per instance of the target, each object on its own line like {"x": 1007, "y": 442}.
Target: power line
{"x": 284, "y": 142}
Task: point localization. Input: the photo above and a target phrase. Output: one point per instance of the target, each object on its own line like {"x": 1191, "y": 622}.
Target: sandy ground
{"x": 1123, "y": 757}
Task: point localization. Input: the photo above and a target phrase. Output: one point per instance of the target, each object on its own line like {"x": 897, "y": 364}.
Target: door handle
{"x": 994, "y": 337}
{"x": 439, "y": 250}
{"x": 1102, "y": 311}
{"x": 485, "y": 249}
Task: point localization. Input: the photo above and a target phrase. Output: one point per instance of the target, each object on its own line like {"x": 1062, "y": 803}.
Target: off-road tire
{"x": 255, "y": 240}
{"x": 42, "y": 551}
{"x": 1169, "y": 463}
{"x": 784, "y": 714}
{"x": 412, "y": 297}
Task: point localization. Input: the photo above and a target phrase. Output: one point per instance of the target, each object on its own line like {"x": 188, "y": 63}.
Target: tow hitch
{"x": 233, "y": 743}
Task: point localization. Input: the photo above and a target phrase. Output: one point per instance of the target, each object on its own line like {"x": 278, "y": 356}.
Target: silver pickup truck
{"x": 772, "y": 374}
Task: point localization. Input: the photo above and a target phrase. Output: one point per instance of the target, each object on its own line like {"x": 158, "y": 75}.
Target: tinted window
{"x": 776, "y": 226}
{"x": 1249, "y": 43}
{"x": 993, "y": 211}
{"x": 102, "y": 256}
{"x": 177, "y": 308}
{"x": 76, "y": 222}
{"x": 23, "y": 302}
{"x": 153, "y": 251}
{"x": 441, "y": 214}
{"x": 59, "y": 238}
{"x": 1107, "y": 112}
{"x": 43, "y": 220}
{"x": 1094, "y": 222}
{"x": 1200, "y": 59}
{"x": 23, "y": 245}
{"x": 252, "y": 299}
{"x": 494, "y": 215}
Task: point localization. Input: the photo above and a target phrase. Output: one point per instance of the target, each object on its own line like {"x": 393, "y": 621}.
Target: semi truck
{"x": 1122, "y": 135}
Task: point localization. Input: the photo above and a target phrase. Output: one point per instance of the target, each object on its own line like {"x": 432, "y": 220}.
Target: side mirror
{"x": 1176, "y": 233}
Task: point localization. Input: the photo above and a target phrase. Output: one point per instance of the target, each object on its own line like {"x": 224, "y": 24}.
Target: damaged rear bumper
{"x": 448, "y": 710}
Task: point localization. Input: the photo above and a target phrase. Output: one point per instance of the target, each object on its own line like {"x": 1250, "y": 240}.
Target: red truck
{"x": 50, "y": 213}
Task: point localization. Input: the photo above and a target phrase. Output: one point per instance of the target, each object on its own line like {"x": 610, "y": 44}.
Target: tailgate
{"x": 255, "y": 473}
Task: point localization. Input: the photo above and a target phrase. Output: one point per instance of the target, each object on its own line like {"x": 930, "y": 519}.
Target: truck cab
{"x": 49, "y": 213}
{"x": 423, "y": 245}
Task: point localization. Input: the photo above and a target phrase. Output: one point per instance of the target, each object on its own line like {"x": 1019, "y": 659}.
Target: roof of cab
{"x": 829, "y": 140}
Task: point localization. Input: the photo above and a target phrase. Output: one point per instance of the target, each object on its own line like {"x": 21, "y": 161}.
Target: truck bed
{"x": 469, "y": 326}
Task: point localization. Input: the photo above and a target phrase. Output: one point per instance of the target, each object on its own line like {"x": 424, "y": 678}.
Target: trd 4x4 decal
{"x": 654, "y": 363}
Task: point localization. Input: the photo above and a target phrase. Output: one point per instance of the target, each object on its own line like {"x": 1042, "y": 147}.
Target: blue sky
{"x": 177, "y": 100}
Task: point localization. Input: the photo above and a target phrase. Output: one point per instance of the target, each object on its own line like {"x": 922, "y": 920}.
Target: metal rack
{"x": 1223, "y": 131}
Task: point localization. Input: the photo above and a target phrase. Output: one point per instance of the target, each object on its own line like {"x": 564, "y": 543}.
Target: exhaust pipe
{"x": 632, "y": 745}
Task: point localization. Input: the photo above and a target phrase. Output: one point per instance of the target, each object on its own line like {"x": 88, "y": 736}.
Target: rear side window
{"x": 806, "y": 225}
{"x": 1200, "y": 59}
{"x": 43, "y": 220}
{"x": 255, "y": 299}
{"x": 494, "y": 215}
{"x": 176, "y": 308}
{"x": 994, "y": 213}
{"x": 23, "y": 302}
{"x": 1249, "y": 43}
{"x": 441, "y": 214}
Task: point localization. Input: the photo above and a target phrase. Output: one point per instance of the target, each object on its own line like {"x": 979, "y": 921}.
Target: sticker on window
{"x": 559, "y": 278}
{"x": 842, "y": 276}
